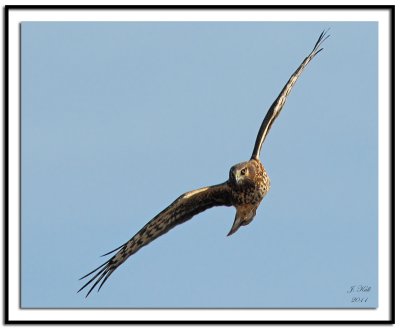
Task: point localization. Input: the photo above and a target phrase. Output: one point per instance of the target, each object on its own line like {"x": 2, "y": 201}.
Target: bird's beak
{"x": 237, "y": 177}
{"x": 233, "y": 178}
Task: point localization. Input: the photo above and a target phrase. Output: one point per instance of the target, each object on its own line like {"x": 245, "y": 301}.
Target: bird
{"x": 247, "y": 185}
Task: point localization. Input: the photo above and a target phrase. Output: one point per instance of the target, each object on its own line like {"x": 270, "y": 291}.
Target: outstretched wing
{"x": 181, "y": 210}
{"x": 278, "y": 104}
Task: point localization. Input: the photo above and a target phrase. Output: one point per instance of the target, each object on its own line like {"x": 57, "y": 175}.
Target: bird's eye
{"x": 243, "y": 171}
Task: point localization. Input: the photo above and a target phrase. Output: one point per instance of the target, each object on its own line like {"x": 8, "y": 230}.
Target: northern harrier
{"x": 245, "y": 188}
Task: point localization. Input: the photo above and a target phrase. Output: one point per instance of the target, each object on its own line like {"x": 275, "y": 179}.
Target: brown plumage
{"x": 245, "y": 188}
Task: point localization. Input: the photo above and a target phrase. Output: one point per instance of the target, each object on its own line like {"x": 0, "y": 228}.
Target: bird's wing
{"x": 278, "y": 104}
{"x": 181, "y": 210}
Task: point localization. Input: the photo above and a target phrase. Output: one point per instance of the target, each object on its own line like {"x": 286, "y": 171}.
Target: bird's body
{"x": 247, "y": 185}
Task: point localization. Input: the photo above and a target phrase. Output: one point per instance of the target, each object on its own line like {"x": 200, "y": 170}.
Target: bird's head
{"x": 242, "y": 173}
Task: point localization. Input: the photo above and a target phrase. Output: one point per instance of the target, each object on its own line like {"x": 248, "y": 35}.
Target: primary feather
{"x": 277, "y": 105}
{"x": 178, "y": 212}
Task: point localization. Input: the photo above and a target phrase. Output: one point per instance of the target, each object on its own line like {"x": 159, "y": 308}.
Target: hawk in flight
{"x": 245, "y": 188}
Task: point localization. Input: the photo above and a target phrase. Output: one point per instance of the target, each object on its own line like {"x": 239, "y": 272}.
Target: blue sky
{"x": 119, "y": 119}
